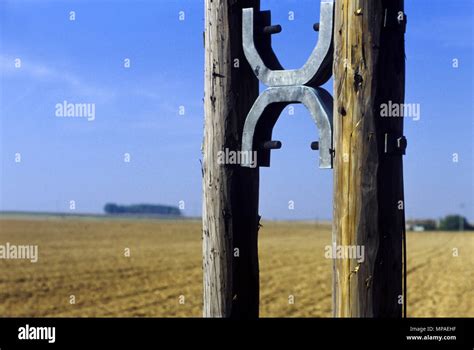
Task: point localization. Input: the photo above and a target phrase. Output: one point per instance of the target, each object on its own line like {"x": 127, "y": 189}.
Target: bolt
{"x": 315, "y": 145}
{"x": 402, "y": 143}
{"x": 271, "y": 145}
{"x": 272, "y": 29}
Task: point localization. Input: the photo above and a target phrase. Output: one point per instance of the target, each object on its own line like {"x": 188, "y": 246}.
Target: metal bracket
{"x": 287, "y": 86}
{"x": 266, "y": 110}
{"x": 395, "y": 144}
{"x": 315, "y": 72}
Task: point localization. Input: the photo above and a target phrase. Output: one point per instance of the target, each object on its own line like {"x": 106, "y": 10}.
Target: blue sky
{"x": 137, "y": 109}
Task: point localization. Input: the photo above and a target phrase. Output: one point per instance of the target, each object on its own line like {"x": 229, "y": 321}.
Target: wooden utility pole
{"x": 230, "y": 192}
{"x": 369, "y": 70}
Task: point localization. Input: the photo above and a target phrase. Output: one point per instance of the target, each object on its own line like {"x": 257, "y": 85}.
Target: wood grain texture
{"x": 369, "y": 70}
{"x": 230, "y": 192}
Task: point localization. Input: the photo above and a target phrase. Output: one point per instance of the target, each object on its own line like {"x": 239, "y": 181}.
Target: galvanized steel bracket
{"x": 395, "y": 144}
{"x": 287, "y": 86}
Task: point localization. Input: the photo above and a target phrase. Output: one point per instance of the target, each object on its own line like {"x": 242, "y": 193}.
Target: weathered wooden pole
{"x": 369, "y": 71}
{"x": 230, "y": 192}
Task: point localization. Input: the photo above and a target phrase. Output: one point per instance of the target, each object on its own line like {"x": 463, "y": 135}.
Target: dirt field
{"x": 86, "y": 258}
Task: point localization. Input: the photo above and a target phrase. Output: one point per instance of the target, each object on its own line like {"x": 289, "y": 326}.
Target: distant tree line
{"x": 142, "y": 209}
{"x": 455, "y": 223}
{"x": 448, "y": 223}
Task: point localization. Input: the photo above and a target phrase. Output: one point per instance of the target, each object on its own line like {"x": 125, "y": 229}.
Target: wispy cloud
{"x": 41, "y": 73}
{"x": 153, "y": 98}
